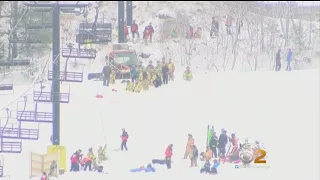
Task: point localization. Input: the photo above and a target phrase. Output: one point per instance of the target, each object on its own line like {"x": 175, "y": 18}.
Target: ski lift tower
{"x": 57, "y": 8}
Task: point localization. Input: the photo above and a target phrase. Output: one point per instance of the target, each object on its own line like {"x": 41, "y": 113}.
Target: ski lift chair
{"x": 34, "y": 114}
{"x": 69, "y": 76}
{"x": 101, "y": 34}
{"x": 39, "y": 19}
{"x": 43, "y": 93}
{"x": 71, "y": 52}
{"x": 6, "y": 86}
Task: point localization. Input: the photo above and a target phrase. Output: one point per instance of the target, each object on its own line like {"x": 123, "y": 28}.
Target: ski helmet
{"x": 187, "y": 67}
{"x": 233, "y": 135}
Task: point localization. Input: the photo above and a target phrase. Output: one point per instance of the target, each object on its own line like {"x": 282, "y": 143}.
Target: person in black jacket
{"x": 106, "y": 71}
{"x": 223, "y": 140}
{"x": 157, "y": 82}
{"x": 165, "y": 73}
{"x": 195, "y": 156}
{"x": 213, "y": 144}
{"x": 278, "y": 60}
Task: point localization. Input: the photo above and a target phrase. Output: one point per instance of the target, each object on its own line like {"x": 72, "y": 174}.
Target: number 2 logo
{"x": 260, "y": 155}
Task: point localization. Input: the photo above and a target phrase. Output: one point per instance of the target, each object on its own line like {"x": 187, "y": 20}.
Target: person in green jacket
{"x": 213, "y": 143}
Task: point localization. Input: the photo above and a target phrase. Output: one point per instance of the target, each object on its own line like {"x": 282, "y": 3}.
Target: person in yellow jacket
{"x": 189, "y": 147}
{"x": 207, "y": 155}
{"x": 102, "y": 154}
{"x": 171, "y": 70}
{"x": 90, "y": 159}
{"x": 158, "y": 69}
{"x": 113, "y": 77}
{"x": 130, "y": 86}
{"x": 187, "y": 75}
{"x": 137, "y": 87}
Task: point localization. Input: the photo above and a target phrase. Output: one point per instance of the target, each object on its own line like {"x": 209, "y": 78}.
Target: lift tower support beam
{"x": 56, "y": 9}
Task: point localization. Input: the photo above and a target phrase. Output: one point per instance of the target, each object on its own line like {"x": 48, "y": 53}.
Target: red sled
{"x": 99, "y": 96}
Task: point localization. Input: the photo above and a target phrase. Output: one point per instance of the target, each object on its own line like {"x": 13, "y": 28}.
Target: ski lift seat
{"x": 34, "y": 116}
{"x": 67, "y": 76}
{"x": 10, "y": 147}
{"x": 78, "y": 53}
{"x": 88, "y": 26}
{"x": 48, "y": 97}
{"x": 19, "y": 133}
{"x": 6, "y": 87}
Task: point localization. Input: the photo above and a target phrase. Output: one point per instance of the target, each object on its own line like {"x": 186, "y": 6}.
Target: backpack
{"x": 196, "y": 153}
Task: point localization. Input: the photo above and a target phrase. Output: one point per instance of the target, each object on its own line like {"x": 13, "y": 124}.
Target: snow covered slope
{"x": 279, "y": 109}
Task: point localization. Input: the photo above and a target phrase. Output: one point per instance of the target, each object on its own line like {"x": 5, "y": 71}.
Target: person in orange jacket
{"x": 207, "y": 155}
{"x": 189, "y": 147}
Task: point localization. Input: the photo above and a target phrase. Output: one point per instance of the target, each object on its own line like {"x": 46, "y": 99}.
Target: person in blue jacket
{"x": 134, "y": 74}
{"x": 289, "y": 59}
{"x": 213, "y": 169}
{"x": 149, "y": 168}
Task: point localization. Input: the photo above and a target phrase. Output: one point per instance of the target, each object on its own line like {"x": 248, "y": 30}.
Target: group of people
{"x": 147, "y": 32}
{"x": 144, "y": 77}
{"x": 288, "y": 59}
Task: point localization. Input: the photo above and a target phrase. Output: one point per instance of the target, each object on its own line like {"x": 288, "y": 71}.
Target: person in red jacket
{"x": 134, "y": 29}
{"x": 124, "y": 138}
{"x": 75, "y": 160}
{"x": 44, "y": 176}
{"x": 168, "y": 154}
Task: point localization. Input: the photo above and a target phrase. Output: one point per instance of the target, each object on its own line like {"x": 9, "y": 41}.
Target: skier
{"x": 171, "y": 70}
{"x": 124, "y": 138}
{"x": 189, "y": 147}
{"x": 207, "y": 155}
{"x": 278, "y": 60}
{"x": 187, "y": 75}
{"x": 194, "y": 157}
{"x": 168, "y": 155}
{"x": 289, "y": 59}
{"x": 157, "y": 82}
{"x": 165, "y": 73}
{"x": 228, "y": 24}
{"x": 106, "y": 71}
{"x": 134, "y": 29}
{"x": 213, "y": 144}
{"x": 223, "y": 140}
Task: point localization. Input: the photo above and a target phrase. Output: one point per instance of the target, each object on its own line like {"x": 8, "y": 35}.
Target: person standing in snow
{"x": 106, "y": 71}
{"x": 278, "y": 60}
{"x": 289, "y": 59}
{"x": 213, "y": 144}
{"x": 124, "y": 138}
{"x": 134, "y": 29}
{"x": 228, "y": 24}
{"x": 168, "y": 155}
{"x": 150, "y": 31}
{"x": 189, "y": 147}
{"x": 214, "y": 27}
{"x": 194, "y": 157}
{"x": 223, "y": 140}
{"x": 165, "y": 73}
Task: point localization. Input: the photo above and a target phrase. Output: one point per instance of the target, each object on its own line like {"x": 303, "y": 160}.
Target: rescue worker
{"x": 150, "y": 31}
{"x": 130, "y": 86}
{"x": 137, "y": 87}
{"x": 168, "y": 155}
{"x": 150, "y": 72}
{"x": 106, "y": 71}
{"x": 158, "y": 69}
{"x": 207, "y": 155}
{"x": 189, "y": 147}
{"x": 140, "y": 70}
{"x": 157, "y": 82}
{"x": 195, "y": 156}
{"x": 75, "y": 160}
{"x": 124, "y": 137}
{"x": 145, "y": 82}
{"x": 90, "y": 158}
{"x": 171, "y": 70}
{"x": 187, "y": 75}
{"x": 113, "y": 77}
{"x": 134, "y": 29}
{"x": 150, "y": 66}
{"x": 102, "y": 153}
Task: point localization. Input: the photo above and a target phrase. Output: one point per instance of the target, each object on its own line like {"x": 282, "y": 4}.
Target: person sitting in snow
{"x": 149, "y": 168}
{"x": 130, "y": 86}
{"x": 207, "y": 155}
{"x": 206, "y": 167}
{"x": 213, "y": 169}
{"x": 157, "y": 82}
{"x": 187, "y": 75}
